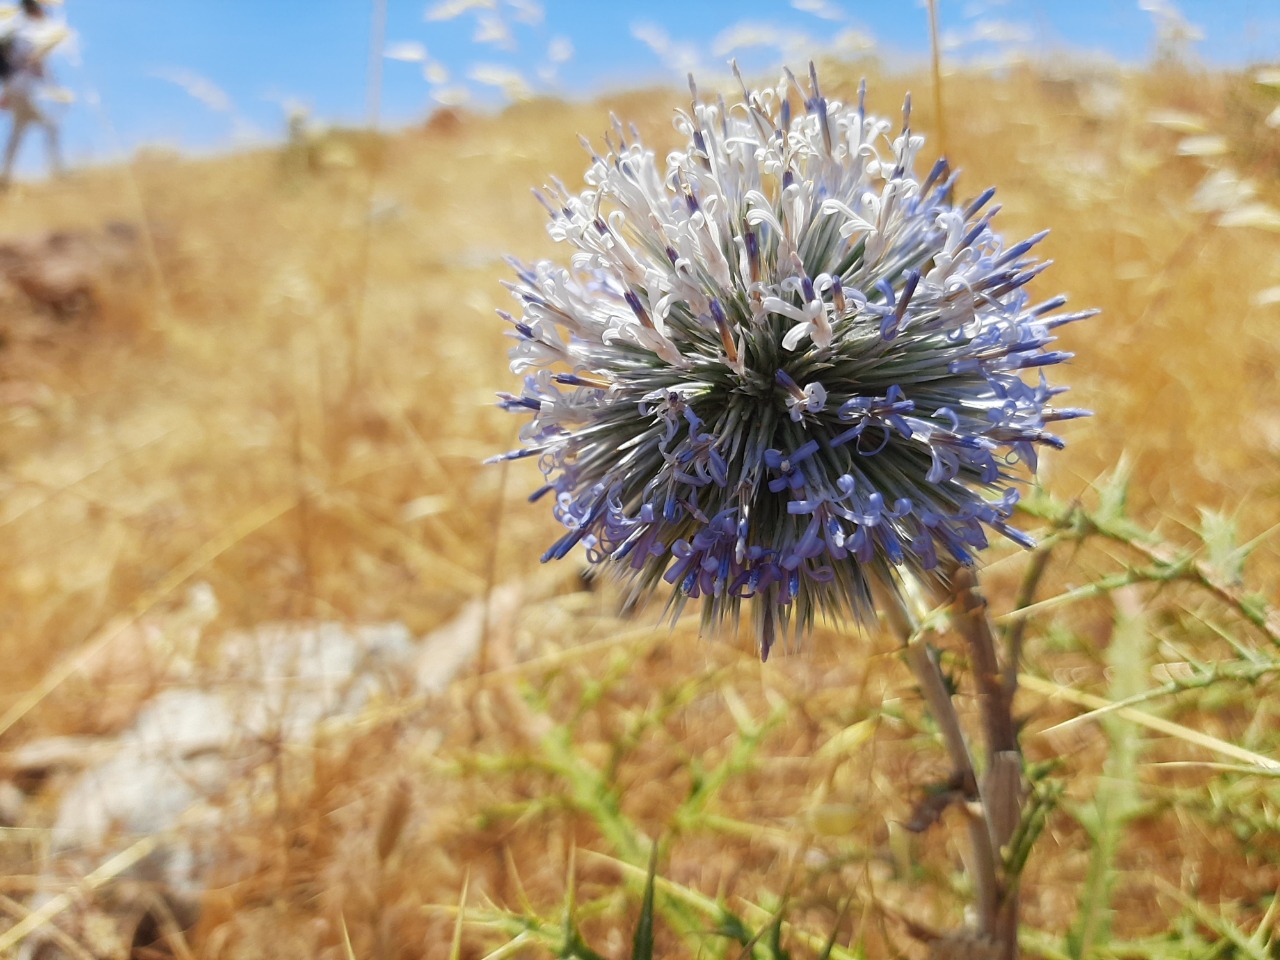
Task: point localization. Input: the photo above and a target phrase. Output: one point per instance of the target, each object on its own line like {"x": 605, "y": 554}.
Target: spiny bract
{"x": 784, "y": 369}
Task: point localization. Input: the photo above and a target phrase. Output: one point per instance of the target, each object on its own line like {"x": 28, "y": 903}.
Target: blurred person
{"x": 25, "y": 75}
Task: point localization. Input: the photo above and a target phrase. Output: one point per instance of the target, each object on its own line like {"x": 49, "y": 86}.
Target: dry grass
{"x": 293, "y": 371}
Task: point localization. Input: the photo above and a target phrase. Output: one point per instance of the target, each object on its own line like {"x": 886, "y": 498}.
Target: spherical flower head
{"x": 784, "y": 368}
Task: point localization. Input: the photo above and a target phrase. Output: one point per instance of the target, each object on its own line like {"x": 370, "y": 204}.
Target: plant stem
{"x": 993, "y": 818}
{"x": 924, "y": 665}
{"x": 1001, "y": 788}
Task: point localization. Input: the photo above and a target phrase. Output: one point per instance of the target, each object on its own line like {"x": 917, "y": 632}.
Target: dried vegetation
{"x": 289, "y": 400}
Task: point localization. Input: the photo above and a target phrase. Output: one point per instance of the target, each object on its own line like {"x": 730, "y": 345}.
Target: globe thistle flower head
{"x": 781, "y": 366}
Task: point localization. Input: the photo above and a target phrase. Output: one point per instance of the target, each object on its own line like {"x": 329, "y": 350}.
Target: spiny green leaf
{"x": 576, "y": 949}
{"x": 731, "y": 926}
{"x": 1117, "y": 800}
{"x": 1113, "y": 496}
{"x": 1044, "y": 797}
{"x": 572, "y": 946}
{"x": 642, "y": 943}
{"x": 775, "y": 939}
{"x": 455, "y": 949}
{"x": 1219, "y": 533}
{"x": 1246, "y": 946}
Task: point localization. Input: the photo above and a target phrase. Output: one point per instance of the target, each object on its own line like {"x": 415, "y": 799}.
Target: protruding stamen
{"x": 820, "y": 107}
{"x": 689, "y": 199}
{"x": 1050, "y": 414}
{"x": 980, "y": 202}
{"x": 542, "y": 199}
{"x": 976, "y": 230}
{"x": 1014, "y": 252}
{"x": 733, "y": 65}
{"x": 726, "y": 335}
{"x": 700, "y": 146}
{"x": 890, "y": 330}
{"x": 787, "y": 383}
{"x": 581, "y": 380}
{"x": 938, "y": 170}
{"x": 633, "y": 301}
{"x": 913, "y": 280}
{"x": 753, "y": 254}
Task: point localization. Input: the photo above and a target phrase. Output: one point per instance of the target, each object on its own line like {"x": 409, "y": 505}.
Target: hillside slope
{"x": 287, "y": 396}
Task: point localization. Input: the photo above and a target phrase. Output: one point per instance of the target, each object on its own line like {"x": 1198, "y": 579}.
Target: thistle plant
{"x": 785, "y": 368}
{"x": 788, "y": 369}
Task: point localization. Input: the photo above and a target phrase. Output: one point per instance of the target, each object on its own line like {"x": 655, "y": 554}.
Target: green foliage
{"x": 1185, "y": 603}
{"x": 642, "y": 943}
{"x": 1044, "y": 794}
{"x": 1117, "y": 799}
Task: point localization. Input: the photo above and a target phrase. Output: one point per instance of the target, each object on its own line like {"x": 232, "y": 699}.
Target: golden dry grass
{"x": 258, "y": 409}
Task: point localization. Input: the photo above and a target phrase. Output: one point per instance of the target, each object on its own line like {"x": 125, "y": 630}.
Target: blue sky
{"x": 207, "y": 74}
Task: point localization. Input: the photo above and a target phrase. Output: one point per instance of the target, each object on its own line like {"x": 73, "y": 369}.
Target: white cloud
{"x": 510, "y": 82}
{"x": 1172, "y": 28}
{"x": 979, "y": 7}
{"x": 198, "y": 87}
{"x": 491, "y": 28}
{"x": 793, "y": 44}
{"x": 560, "y": 50}
{"x": 452, "y": 9}
{"x": 680, "y": 57}
{"x": 1002, "y": 31}
{"x": 1007, "y": 32}
{"x": 409, "y": 51}
{"x": 529, "y": 12}
{"x": 435, "y": 72}
{"x": 744, "y": 34}
{"x": 824, "y": 9}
